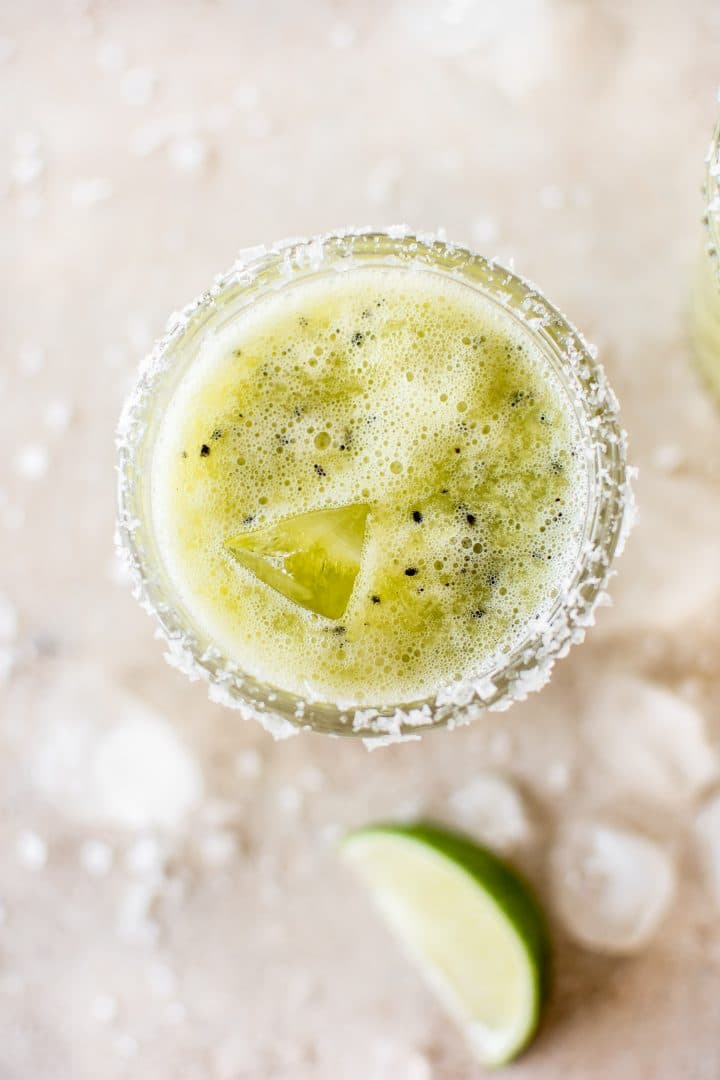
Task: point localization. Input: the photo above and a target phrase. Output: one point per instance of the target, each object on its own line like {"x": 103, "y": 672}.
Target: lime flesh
{"x": 470, "y": 922}
{"x": 310, "y": 558}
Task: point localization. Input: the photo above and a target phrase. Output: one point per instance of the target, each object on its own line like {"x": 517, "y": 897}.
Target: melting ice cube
{"x": 612, "y": 885}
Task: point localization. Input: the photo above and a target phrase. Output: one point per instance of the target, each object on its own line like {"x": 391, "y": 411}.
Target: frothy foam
{"x": 402, "y": 392}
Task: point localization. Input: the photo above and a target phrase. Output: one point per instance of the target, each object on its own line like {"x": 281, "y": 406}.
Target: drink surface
{"x": 369, "y": 486}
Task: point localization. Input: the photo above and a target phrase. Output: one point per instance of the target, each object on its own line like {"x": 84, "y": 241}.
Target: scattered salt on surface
{"x": 175, "y": 1012}
{"x": 8, "y": 48}
{"x": 137, "y": 86}
{"x": 557, "y": 777}
{"x": 96, "y": 858}
{"x": 249, "y": 764}
{"x": 31, "y": 849}
{"x": 551, "y": 197}
{"x": 707, "y": 840}
{"x": 136, "y": 923}
{"x": 484, "y": 230}
{"x": 312, "y": 779}
{"x": 382, "y": 180}
{"x": 58, "y": 414}
{"x": 31, "y": 360}
{"x": 8, "y": 620}
{"x": 126, "y": 1046}
{"x": 289, "y": 799}
{"x": 104, "y": 1009}
{"x": 138, "y": 332}
{"x": 31, "y": 461}
{"x": 90, "y": 191}
{"x": 495, "y": 811}
{"x": 27, "y": 167}
{"x": 110, "y": 56}
{"x": 218, "y": 847}
{"x": 188, "y": 153}
{"x": 161, "y": 979}
{"x": 342, "y": 36}
{"x": 258, "y": 125}
{"x": 145, "y": 856}
{"x": 612, "y": 886}
{"x": 246, "y": 96}
{"x": 668, "y": 457}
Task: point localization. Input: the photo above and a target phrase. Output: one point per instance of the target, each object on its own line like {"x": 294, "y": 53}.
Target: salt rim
{"x": 529, "y": 666}
{"x": 711, "y": 190}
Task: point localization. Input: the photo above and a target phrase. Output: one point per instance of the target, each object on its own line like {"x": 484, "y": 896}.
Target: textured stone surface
{"x": 210, "y": 933}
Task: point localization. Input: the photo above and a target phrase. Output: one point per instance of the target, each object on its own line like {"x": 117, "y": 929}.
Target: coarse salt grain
{"x": 32, "y": 461}
{"x": 96, "y": 858}
{"x": 31, "y": 849}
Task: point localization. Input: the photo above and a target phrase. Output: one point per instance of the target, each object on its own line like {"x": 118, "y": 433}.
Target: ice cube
{"x": 612, "y": 886}
{"x": 652, "y": 743}
{"x": 493, "y": 810}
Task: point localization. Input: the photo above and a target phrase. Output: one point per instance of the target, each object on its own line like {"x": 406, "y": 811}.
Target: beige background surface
{"x": 172, "y": 906}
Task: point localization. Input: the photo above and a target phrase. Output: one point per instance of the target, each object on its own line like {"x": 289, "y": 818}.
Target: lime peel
{"x": 471, "y": 923}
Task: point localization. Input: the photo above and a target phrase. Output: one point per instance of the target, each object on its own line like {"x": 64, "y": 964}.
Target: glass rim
{"x": 711, "y": 189}
{"x": 528, "y": 665}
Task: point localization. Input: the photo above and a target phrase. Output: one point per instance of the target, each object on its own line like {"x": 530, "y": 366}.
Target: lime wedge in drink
{"x": 312, "y": 559}
{"x": 470, "y": 922}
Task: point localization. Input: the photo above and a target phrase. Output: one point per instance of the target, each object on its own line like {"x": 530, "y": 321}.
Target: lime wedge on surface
{"x": 471, "y": 923}
{"x": 312, "y": 559}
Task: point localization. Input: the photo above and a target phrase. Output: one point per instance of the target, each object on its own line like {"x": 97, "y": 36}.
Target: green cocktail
{"x": 706, "y": 295}
{"x": 372, "y": 486}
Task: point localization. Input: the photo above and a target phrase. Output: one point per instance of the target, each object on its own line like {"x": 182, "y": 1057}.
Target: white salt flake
{"x": 612, "y": 886}
{"x": 258, "y": 125}
{"x": 126, "y": 1046}
{"x": 8, "y": 620}
{"x": 218, "y": 848}
{"x": 289, "y": 799}
{"x": 650, "y": 741}
{"x": 706, "y": 832}
{"x": 484, "y": 231}
{"x": 58, "y": 414}
{"x": 552, "y": 197}
{"x": 26, "y": 169}
{"x": 668, "y": 457}
{"x": 31, "y": 360}
{"x": 557, "y": 777}
{"x": 161, "y": 979}
{"x": 104, "y": 1009}
{"x": 96, "y": 858}
{"x": 8, "y": 49}
{"x": 382, "y": 181}
{"x": 145, "y": 856}
{"x": 91, "y": 191}
{"x": 110, "y": 56}
{"x": 342, "y": 36}
{"x": 246, "y": 96}
{"x": 249, "y": 764}
{"x": 30, "y": 205}
{"x": 136, "y": 923}
{"x": 188, "y": 153}
{"x": 119, "y": 570}
{"x": 32, "y": 461}
{"x": 494, "y": 810}
{"x": 137, "y": 86}
{"x": 175, "y": 1012}
{"x": 31, "y": 849}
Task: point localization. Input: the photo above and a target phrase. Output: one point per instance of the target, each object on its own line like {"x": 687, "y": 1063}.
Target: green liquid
{"x": 369, "y": 486}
